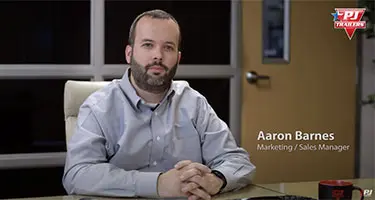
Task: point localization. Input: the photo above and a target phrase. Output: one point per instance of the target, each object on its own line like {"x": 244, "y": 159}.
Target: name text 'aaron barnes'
{"x": 298, "y": 135}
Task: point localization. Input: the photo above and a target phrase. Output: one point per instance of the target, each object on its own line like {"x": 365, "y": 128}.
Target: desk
{"x": 249, "y": 191}
{"x": 310, "y": 189}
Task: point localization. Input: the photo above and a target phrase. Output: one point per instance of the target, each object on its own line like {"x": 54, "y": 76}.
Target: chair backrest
{"x": 75, "y": 93}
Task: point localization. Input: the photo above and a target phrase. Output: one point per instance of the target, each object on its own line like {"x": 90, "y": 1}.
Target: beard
{"x": 155, "y": 83}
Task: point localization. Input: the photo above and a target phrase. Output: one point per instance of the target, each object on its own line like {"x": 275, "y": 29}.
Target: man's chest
{"x": 157, "y": 141}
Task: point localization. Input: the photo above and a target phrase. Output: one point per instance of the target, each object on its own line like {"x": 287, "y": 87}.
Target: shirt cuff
{"x": 146, "y": 184}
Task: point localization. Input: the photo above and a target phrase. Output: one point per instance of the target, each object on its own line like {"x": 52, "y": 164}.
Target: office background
{"x": 46, "y": 43}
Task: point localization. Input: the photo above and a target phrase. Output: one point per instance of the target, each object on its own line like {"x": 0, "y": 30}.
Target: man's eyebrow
{"x": 147, "y": 40}
{"x": 171, "y": 43}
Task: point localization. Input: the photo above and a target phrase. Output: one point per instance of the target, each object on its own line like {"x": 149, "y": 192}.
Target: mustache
{"x": 159, "y": 64}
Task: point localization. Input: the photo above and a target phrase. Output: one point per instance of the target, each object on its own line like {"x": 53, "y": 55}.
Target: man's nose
{"x": 157, "y": 54}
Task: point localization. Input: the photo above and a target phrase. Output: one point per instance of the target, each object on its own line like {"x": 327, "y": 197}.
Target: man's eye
{"x": 147, "y": 45}
{"x": 169, "y": 48}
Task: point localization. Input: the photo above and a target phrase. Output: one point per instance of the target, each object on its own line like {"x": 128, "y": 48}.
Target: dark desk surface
{"x": 309, "y": 189}
{"x": 250, "y": 191}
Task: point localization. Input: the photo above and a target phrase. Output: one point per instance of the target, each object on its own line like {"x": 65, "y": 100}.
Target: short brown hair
{"x": 156, "y": 14}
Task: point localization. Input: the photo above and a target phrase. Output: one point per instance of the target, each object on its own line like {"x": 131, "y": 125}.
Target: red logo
{"x": 349, "y": 19}
{"x": 337, "y": 194}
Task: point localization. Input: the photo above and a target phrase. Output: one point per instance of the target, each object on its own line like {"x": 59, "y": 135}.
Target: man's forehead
{"x": 152, "y": 20}
{"x": 147, "y": 26}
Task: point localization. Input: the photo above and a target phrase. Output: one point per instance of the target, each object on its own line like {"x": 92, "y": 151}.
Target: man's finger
{"x": 182, "y": 164}
{"x": 188, "y": 187}
{"x": 193, "y": 197}
{"x": 201, "y": 167}
{"x": 187, "y": 164}
{"x": 190, "y": 173}
{"x": 201, "y": 194}
{"x": 201, "y": 182}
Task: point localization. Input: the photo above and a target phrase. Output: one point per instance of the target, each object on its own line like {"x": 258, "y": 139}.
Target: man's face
{"x": 154, "y": 56}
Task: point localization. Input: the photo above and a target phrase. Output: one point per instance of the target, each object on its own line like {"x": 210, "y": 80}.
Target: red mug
{"x": 337, "y": 190}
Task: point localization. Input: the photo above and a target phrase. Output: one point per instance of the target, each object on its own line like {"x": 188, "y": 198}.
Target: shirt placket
{"x": 158, "y": 142}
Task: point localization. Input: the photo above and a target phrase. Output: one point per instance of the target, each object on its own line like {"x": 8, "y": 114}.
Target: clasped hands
{"x": 189, "y": 179}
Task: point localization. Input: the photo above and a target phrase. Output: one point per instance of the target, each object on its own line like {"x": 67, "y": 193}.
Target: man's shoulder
{"x": 103, "y": 95}
{"x": 183, "y": 89}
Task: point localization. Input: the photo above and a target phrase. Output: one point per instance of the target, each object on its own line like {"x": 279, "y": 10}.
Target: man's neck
{"x": 145, "y": 95}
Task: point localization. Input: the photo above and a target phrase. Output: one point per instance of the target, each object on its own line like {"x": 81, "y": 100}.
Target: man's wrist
{"x": 221, "y": 177}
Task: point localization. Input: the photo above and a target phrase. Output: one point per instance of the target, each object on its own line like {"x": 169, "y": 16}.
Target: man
{"x": 149, "y": 136}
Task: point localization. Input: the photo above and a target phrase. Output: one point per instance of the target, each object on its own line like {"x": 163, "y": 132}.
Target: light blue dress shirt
{"x": 121, "y": 145}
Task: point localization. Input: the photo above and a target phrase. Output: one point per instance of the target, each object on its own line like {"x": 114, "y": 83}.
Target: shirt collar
{"x": 126, "y": 85}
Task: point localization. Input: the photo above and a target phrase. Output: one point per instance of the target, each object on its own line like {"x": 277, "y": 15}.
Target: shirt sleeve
{"x": 87, "y": 171}
{"x": 220, "y": 151}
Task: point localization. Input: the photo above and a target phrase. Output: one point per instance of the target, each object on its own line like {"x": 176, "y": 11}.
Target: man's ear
{"x": 128, "y": 53}
{"x": 179, "y": 56}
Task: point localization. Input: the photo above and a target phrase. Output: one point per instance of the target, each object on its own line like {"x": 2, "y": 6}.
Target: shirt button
{"x": 155, "y": 163}
{"x": 158, "y": 138}
{"x": 156, "y": 113}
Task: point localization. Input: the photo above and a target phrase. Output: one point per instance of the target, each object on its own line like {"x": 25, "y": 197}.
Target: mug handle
{"x": 359, "y": 189}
